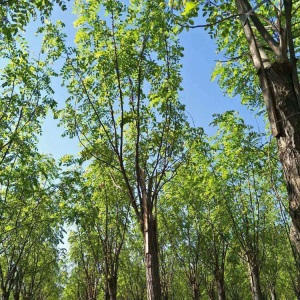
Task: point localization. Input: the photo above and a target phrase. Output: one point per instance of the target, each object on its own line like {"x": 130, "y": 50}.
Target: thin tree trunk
{"x": 273, "y": 293}
{"x": 255, "y": 280}
{"x": 17, "y": 296}
{"x": 196, "y": 292}
{"x": 219, "y": 277}
{"x": 151, "y": 258}
{"x": 165, "y": 296}
{"x": 219, "y": 268}
{"x": 106, "y": 297}
{"x": 164, "y": 291}
{"x": 112, "y": 287}
{"x": 211, "y": 292}
{"x": 5, "y": 295}
{"x": 149, "y": 230}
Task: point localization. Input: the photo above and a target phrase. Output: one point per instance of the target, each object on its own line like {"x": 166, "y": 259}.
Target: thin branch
{"x": 211, "y": 24}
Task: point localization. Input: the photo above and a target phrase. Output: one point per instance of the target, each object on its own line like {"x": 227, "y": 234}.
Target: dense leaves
{"x": 154, "y": 208}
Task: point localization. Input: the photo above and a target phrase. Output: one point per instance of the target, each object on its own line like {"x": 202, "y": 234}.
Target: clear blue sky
{"x": 202, "y": 97}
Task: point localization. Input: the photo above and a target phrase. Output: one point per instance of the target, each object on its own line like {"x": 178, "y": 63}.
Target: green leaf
{"x": 190, "y": 6}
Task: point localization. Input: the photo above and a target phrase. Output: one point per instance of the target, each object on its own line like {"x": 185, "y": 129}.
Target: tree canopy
{"x": 152, "y": 206}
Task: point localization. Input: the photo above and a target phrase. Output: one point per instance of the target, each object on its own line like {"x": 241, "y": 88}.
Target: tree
{"x": 222, "y": 218}
{"x": 244, "y": 162}
{"x": 265, "y": 35}
{"x": 198, "y": 235}
{"x": 123, "y": 79}
{"x": 100, "y": 211}
{"x": 86, "y": 270}
{"x": 30, "y": 225}
{"x": 15, "y": 15}
{"x": 24, "y": 79}
{"x": 132, "y": 282}
{"x": 240, "y": 161}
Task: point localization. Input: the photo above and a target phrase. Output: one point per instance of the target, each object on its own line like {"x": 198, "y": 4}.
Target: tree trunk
{"x": 149, "y": 230}
{"x": 288, "y": 140}
{"x": 106, "y": 292}
{"x": 151, "y": 257}
{"x": 165, "y": 296}
{"x": 273, "y": 293}
{"x": 211, "y": 292}
{"x": 112, "y": 287}
{"x": 17, "y": 296}
{"x": 196, "y": 292}
{"x": 219, "y": 277}
{"x": 5, "y": 295}
{"x": 279, "y": 84}
{"x": 164, "y": 292}
{"x": 254, "y": 280}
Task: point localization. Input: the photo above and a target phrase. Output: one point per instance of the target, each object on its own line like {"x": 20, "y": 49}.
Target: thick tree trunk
{"x": 151, "y": 257}
{"x": 288, "y": 140}
{"x": 254, "y": 280}
{"x": 279, "y": 83}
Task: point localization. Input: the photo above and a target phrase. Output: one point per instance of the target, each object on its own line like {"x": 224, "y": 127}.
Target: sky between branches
{"x": 202, "y": 97}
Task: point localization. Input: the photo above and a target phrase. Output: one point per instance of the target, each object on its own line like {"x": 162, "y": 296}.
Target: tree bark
{"x": 5, "y": 295}
{"x": 280, "y": 88}
{"x": 273, "y": 293}
{"x": 112, "y": 288}
{"x": 220, "y": 269}
{"x": 151, "y": 258}
{"x": 149, "y": 230}
{"x": 106, "y": 297}
{"x": 211, "y": 292}
{"x": 254, "y": 280}
{"x": 219, "y": 277}
{"x": 196, "y": 292}
{"x": 288, "y": 141}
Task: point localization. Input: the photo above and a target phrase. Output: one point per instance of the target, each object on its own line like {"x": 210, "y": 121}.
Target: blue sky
{"x": 202, "y": 97}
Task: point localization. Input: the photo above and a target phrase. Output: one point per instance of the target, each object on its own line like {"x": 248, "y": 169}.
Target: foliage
{"x": 218, "y": 202}
{"x": 16, "y": 14}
